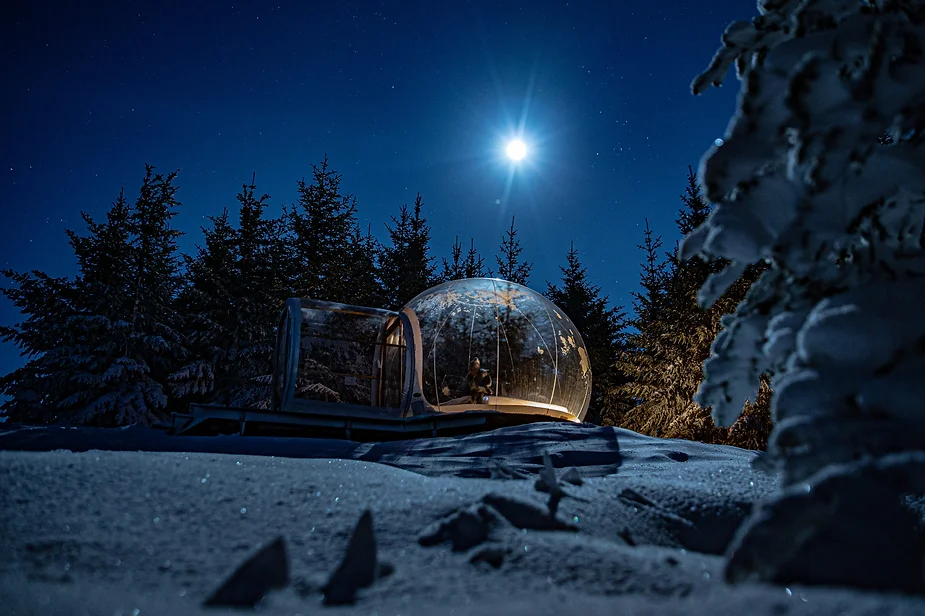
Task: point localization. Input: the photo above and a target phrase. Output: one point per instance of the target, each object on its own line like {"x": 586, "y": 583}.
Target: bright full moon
{"x": 516, "y": 149}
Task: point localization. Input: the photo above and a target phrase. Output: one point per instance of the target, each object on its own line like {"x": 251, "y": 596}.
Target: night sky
{"x": 402, "y": 96}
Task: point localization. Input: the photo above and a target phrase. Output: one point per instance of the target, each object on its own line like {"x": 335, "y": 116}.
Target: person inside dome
{"x": 479, "y": 383}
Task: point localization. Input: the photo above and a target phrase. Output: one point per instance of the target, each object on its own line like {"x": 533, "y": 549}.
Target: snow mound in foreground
{"x": 111, "y": 531}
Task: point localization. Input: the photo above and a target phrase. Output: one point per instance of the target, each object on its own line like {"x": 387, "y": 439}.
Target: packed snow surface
{"x": 137, "y": 522}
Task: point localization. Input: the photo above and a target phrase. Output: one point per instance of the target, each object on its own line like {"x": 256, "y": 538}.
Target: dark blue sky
{"x": 402, "y": 96}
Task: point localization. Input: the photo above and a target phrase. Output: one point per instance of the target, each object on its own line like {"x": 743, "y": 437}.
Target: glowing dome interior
{"x": 532, "y": 352}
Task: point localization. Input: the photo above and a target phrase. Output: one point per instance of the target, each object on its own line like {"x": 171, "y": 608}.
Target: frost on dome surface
{"x": 532, "y": 352}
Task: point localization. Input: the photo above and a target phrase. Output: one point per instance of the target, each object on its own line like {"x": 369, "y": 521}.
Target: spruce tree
{"x": 101, "y": 257}
{"x": 509, "y": 265}
{"x": 602, "y": 329}
{"x": 155, "y": 345}
{"x": 685, "y": 339}
{"x": 365, "y": 287}
{"x": 34, "y": 390}
{"x": 230, "y": 303}
{"x": 405, "y": 263}
{"x": 454, "y": 268}
{"x": 97, "y": 332}
{"x": 664, "y": 360}
{"x": 459, "y": 267}
{"x": 695, "y": 329}
{"x": 280, "y": 258}
{"x": 261, "y": 286}
{"x": 642, "y": 357}
{"x": 322, "y": 224}
{"x": 649, "y": 304}
{"x": 100, "y": 346}
{"x": 474, "y": 264}
{"x": 212, "y": 315}
{"x": 256, "y": 263}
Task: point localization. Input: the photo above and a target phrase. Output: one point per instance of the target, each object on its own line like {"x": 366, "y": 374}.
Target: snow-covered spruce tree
{"x": 510, "y": 267}
{"x": 405, "y": 263}
{"x": 602, "y": 327}
{"x": 230, "y": 305}
{"x": 803, "y": 183}
{"x": 95, "y": 355}
{"x": 691, "y": 330}
{"x": 154, "y": 347}
{"x": 100, "y": 346}
{"x": 264, "y": 262}
{"x": 321, "y": 224}
{"x": 211, "y": 317}
{"x": 34, "y": 390}
{"x": 641, "y": 357}
{"x": 664, "y": 359}
{"x": 363, "y": 263}
{"x": 70, "y": 321}
{"x": 261, "y": 286}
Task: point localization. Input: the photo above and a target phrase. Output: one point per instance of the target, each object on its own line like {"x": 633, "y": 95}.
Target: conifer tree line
{"x": 142, "y": 331}
{"x": 662, "y": 360}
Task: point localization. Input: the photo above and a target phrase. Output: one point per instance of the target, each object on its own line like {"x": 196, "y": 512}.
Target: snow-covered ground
{"x": 137, "y": 522}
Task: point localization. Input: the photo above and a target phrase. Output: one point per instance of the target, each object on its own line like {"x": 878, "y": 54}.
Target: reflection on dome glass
{"x": 530, "y": 355}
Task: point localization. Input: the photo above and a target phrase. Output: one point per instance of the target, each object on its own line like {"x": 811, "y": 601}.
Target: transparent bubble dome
{"x": 533, "y": 354}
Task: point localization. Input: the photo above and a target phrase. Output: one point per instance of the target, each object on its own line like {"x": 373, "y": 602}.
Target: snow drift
{"x": 460, "y": 525}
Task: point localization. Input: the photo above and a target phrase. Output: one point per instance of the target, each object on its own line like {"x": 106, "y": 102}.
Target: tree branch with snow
{"x": 805, "y": 182}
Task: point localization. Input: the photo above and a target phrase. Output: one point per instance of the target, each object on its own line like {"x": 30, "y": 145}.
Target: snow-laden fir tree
{"x": 261, "y": 254}
{"x": 101, "y": 346}
{"x": 134, "y": 386}
{"x": 602, "y": 328}
{"x": 363, "y": 270}
{"x": 156, "y": 274}
{"x": 510, "y": 267}
{"x": 230, "y": 304}
{"x": 322, "y": 225}
{"x": 691, "y": 329}
{"x": 803, "y": 182}
{"x": 34, "y": 390}
{"x": 406, "y": 266}
{"x": 642, "y": 357}
{"x": 211, "y": 319}
{"x": 265, "y": 283}
{"x": 664, "y": 358}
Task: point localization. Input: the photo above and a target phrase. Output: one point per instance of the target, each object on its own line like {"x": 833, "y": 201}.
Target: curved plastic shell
{"x": 352, "y": 360}
{"x": 529, "y": 349}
